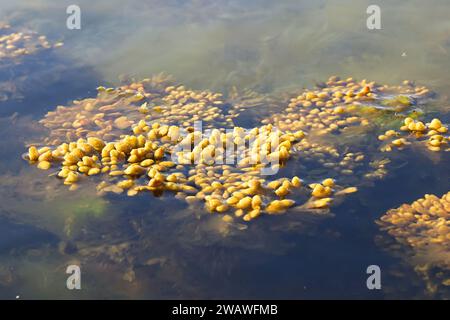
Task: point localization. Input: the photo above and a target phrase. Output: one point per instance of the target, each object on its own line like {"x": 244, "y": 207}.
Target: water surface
{"x": 146, "y": 247}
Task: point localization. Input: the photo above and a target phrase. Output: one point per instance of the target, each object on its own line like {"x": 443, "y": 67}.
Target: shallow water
{"x": 149, "y": 247}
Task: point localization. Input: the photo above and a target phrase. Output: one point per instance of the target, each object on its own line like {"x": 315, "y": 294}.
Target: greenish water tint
{"x": 159, "y": 247}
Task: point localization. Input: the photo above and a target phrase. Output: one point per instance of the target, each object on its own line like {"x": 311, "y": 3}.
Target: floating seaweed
{"x": 15, "y": 45}
{"x": 19, "y": 43}
{"x": 92, "y": 138}
{"x": 422, "y": 228}
{"x": 340, "y": 104}
{"x": 142, "y": 137}
{"x": 31, "y": 63}
{"x": 148, "y": 155}
{"x": 115, "y": 110}
{"x": 433, "y": 135}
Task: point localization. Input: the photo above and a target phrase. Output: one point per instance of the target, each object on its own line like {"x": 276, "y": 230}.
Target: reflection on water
{"x": 259, "y": 54}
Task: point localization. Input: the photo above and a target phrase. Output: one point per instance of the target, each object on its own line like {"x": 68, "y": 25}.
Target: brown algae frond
{"x": 423, "y": 229}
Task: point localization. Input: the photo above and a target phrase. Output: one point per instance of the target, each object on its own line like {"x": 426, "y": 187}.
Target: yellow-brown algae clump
{"x": 423, "y": 228}
{"x": 140, "y": 137}
{"x": 15, "y": 44}
{"x": 425, "y": 221}
{"x": 346, "y": 191}
{"x": 33, "y": 154}
{"x": 417, "y": 132}
{"x": 328, "y": 182}
{"x": 345, "y": 108}
{"x": 279, "y": 206}
{"x": 335, "y": 106}
{"x": 321, "y": 203}
{"x": 44, "y": 165}
{"x": 255, "y": 148}
{"x": 139, "y": 163}
{"x": 115, "y": 110}
{"x": 319, "y": 191}
{"x": 106, "y": 116}
{"x": 336, "y": 116}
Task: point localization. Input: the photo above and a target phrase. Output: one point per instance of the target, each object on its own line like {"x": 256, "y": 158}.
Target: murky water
{"x": 161, "y": 247}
